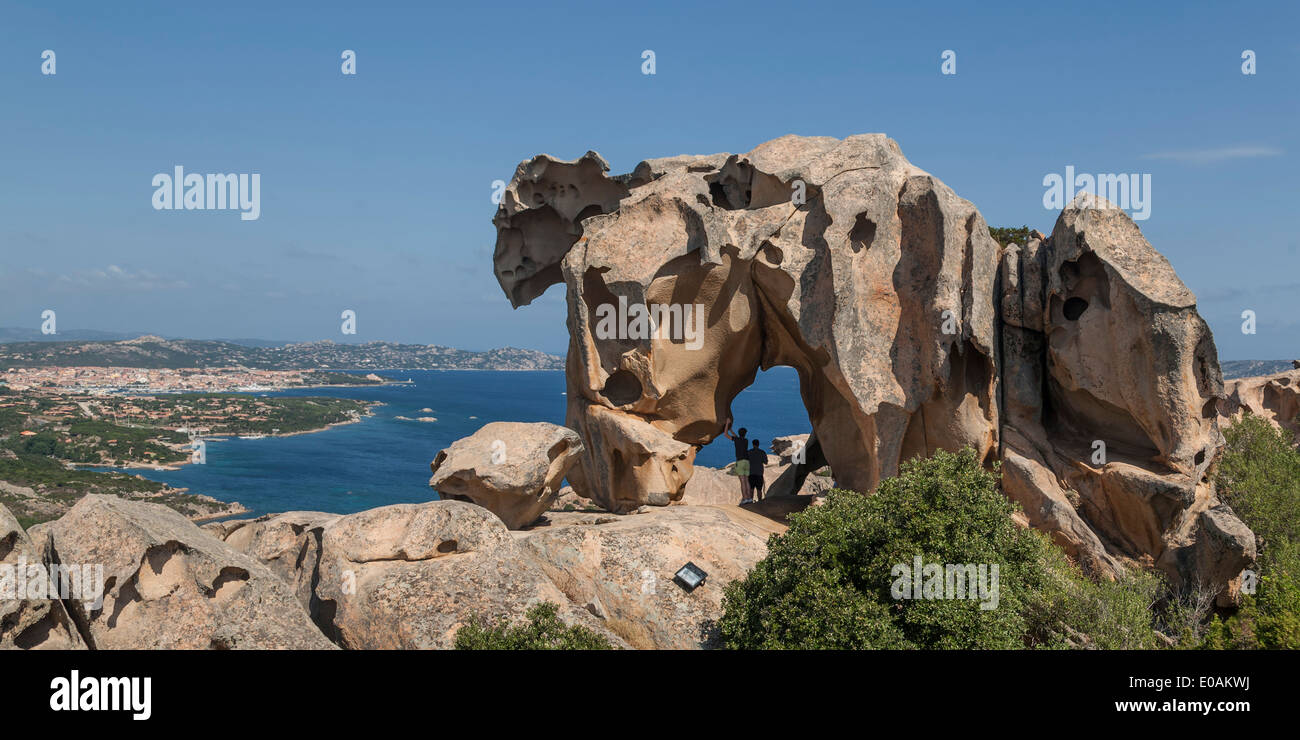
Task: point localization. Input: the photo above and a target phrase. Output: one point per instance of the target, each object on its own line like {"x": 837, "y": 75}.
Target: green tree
{"x": 828, "y": 582}
{"x": 1005, "y": 235}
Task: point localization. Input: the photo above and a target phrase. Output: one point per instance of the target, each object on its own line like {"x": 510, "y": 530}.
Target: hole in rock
{"x": 1210, "y": 409}
{"x": 622, "y": 388}
{"x": 1074, "y": 308}
{"x": 586, "y": 213}
{"x": 771, "y": 406}
{"x": 862, "y": 233}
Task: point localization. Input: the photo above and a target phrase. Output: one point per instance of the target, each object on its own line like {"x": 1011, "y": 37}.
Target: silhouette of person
{"x": 741, "y": 467}
{"x": 757, "y": 458}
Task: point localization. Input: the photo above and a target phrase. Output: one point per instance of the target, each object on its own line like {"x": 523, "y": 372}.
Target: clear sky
{"x": 375, "y": 188}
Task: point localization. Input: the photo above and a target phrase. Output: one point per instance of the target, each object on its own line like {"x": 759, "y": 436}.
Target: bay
{"x": 384, "y": 459}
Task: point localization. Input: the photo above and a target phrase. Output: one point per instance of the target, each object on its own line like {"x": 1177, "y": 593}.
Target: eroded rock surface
{"x": 1111, "y": 387}
{"x": 170, "y": 585}
{"x": 411, "y": 575}
{"x": 30, "y": 623}
{"x": 620, "y": 569}
{"x": 513, "y": 469}
{"x": 1272, "y": 397}
{"x": 289, "y": 544}
{"x": 911, "y": 330}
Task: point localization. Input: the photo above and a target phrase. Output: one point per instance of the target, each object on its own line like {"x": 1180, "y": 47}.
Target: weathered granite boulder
{"x": 787, "y": 447}
{"x": 838, "y": 258}
{"x": 1272, "y": 397}
{"x": 411, "y": 575}
{"x": 170, "y": 585}
{"x": 1111, "y": 385}
{"x": 883, "y": 289}
{"x": 32, "y": 615}
{"x": 289, "y": 544}
{"x": 620, "y": 568}
{"x": 512, "y": 469}
{"x": 568, "y": 500}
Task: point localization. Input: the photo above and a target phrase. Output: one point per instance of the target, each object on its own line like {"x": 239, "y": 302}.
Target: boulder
{"x": 512, "y": 469}
{"x": 568, "y": 500}
{"x": 170, "y": 585}
{"x": 910, "y": 328}
{"x": 31, "y": 620}
{"x": 620, "y": 569}
{"x": 409, "y": 576}
{"x": 785, "y": 448}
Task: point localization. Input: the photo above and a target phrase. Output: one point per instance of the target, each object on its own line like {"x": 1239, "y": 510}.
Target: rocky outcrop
{"x": 32, "y": 614}
{"x": 1275, "y": 398}
{"x": 620, "y": 568}
{"x": 512, "y": 469}
{"x": 911, "y": 330}
{"x": 787, "y": 447}
{"x": 838, "y": 258}
{"x": 289, "y": 544}
{"x": 170, "y": 585}
{"x": 1111, "y": 389}
{"x": 411, "y": 575}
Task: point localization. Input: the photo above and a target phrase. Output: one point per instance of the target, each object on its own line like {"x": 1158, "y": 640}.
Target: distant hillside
{"x": 1250, "y": 368}
{"x": 156, "y": 352}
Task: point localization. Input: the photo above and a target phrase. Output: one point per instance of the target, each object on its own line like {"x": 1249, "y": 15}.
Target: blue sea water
{"x": 385, "y": 460}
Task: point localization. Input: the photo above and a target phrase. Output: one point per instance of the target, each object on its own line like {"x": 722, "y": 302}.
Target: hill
{"x": 1250, "y": 368}
{"x": 156, "y": 352}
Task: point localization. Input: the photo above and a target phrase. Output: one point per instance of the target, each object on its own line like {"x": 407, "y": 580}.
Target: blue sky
{"x": 376, "y": 188}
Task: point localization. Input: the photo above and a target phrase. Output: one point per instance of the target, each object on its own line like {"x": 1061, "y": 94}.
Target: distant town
{"x": 100, "y": 380}
{"x": 153, "y": 352}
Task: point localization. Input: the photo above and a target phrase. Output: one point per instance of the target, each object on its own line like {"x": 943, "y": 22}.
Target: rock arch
{"x": 910, "y": 328}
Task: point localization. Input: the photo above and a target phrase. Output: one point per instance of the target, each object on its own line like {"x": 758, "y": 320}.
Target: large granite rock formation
{"x": 1110, "y": 387}
{"x": 911, "y": 330}
{"x": 513, "y": 469}
{"x": 170, "y": 585}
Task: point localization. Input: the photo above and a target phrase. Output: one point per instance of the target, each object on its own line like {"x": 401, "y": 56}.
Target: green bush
{"x": 1259, "y": 477}
{"x": 828, "y": 582}
{"x": 542, "y": 631}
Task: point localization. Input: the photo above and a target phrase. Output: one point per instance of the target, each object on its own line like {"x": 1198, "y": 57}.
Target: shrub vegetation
{"x": 1259, "y": 477}
{"x": 827, "y": 582}
{"x": 543, "y": 630}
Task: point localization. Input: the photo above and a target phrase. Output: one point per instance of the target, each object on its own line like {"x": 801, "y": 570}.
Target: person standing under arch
{"x": 741, "y": 466}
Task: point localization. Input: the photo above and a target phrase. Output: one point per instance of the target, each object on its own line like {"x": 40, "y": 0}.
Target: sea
{"x": 384, "y": 459}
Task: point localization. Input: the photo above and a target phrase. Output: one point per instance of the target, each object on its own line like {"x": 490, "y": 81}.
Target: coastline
{"x": 221, "y": 437}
